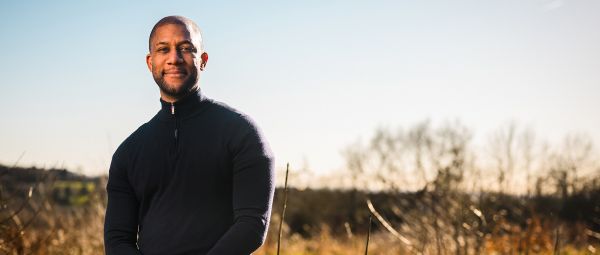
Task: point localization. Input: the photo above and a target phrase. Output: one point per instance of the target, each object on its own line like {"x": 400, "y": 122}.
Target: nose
{"x": 175, "y": 57}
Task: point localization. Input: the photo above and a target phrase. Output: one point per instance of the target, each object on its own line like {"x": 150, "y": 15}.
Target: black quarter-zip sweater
{"x": 196, "y": 179}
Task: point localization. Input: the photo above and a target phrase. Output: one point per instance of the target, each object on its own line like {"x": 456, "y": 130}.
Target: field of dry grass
{"x": 33, "y": 222}
{"x": 427, "y": 190}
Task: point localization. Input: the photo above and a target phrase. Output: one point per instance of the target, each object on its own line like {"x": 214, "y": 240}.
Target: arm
{"x": 120, "y": 223}
{"x": 252, "y": 193}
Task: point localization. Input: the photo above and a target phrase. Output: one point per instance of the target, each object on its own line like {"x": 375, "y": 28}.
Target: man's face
{"x": 173, "y": 60}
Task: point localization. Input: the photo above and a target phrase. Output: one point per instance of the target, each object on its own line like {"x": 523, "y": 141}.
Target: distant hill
{"x": 34, "y": 175}
{"x": 66, "y": 187}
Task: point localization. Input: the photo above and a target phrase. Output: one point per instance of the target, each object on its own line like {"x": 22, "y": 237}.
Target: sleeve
{"x": 120, "y": 222}
{"x": 253, "y": 189}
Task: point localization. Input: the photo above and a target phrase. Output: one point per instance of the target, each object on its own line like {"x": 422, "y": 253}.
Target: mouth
{"x": 175, "y": 73}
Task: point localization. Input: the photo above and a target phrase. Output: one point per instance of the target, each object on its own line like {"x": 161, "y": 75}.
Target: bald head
{"x": 176, "y": 57}
{"x": 190, "y": 25}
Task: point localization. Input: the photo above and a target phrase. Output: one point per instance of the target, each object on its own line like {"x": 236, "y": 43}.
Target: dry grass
{"x": 509, "y": 240}
{"x": 37, "y": 225}
{"x": 64, "y": 230}
{"x": 431, "y": 224}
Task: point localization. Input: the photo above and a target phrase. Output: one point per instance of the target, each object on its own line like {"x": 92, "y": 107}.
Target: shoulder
{"x": 232, "y": 116}
{"x": 242, "y": 130}
{"x": 131, "y": 142}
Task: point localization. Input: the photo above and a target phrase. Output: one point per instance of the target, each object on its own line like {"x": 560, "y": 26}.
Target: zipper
{"x": 176, "y": 122}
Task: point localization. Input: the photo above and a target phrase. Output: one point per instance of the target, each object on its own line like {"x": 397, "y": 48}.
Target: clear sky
{"x": 315, "y": 75}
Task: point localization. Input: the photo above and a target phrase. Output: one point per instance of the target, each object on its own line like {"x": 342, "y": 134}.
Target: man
{"x": 198, "y": 177}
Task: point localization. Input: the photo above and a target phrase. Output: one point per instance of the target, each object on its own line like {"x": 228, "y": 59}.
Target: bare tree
{"x": 568, "y": 162}
{"x": 512, "y": 150}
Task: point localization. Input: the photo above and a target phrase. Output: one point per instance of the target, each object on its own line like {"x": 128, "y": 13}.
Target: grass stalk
{"x": 369, "y": 234}
{"x": 556, "y": 241}
{"x": 285, "y": 189}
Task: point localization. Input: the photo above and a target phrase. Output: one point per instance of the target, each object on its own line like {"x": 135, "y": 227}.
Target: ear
{"x": 149, "y": 62}
{"x": 204, "y": 58}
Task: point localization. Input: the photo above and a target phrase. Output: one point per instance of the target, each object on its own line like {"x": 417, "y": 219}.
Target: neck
{"x": 184, "y": 107}
{"x": 174, "y": 98}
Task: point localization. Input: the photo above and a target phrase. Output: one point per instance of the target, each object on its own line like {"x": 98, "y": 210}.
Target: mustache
{"x": 174, "y": 71}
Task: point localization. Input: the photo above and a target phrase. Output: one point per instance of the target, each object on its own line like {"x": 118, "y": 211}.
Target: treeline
{"x": 436, "y": 192}
{"x": 512, "y": 159}
{"x": 345, "y": 212}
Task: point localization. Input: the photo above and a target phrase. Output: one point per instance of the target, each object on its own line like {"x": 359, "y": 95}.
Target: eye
{"x": 162, "y": 50}
{"x": 187, "y": 49}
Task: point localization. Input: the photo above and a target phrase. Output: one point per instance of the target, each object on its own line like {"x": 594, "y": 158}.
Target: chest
{"x": 182, "y": 157}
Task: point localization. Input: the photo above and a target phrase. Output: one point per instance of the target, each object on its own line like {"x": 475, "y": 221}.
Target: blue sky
{"x": 315, "y": 75}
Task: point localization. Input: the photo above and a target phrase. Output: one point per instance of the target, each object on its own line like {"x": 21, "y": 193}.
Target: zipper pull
{"x": 172, "y": 109}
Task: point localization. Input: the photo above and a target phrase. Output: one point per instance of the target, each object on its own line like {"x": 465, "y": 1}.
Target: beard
{"x": 175, "y": 91}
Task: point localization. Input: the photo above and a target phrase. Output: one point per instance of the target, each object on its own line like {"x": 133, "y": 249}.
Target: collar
{"x": 184, "y": 107}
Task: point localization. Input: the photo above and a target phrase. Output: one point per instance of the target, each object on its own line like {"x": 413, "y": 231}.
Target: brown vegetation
{"x": 428, "y": 189}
